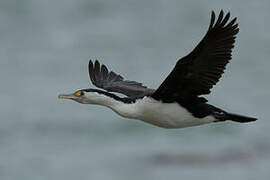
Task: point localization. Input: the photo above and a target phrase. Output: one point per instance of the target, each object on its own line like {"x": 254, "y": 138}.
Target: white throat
{"x": 100, "y": 99}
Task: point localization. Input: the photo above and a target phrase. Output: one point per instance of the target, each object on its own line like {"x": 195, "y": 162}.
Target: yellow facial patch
{"x": 78, "y": 93}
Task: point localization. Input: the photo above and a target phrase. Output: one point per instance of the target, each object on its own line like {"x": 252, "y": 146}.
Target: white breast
{"x": 167, "y": 115}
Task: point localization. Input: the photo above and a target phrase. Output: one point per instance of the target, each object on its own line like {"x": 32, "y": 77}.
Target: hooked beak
{"x": 67, "y": 96}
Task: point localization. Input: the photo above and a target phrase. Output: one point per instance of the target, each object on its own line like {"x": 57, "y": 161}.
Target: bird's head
{"x": 79, "y": 96}
{"x": 89, "y": 96}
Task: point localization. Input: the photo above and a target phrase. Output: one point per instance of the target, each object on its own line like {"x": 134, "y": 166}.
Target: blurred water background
{"x": 44, "y": 51}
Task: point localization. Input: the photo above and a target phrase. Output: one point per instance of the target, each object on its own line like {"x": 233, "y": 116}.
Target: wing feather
{"x": 196, "y": 73}
{"x": 110, "y": 81}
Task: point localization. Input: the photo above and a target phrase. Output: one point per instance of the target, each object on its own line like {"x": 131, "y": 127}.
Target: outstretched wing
{"x": 110, "y": 81}
{"x": 196, "y": 73}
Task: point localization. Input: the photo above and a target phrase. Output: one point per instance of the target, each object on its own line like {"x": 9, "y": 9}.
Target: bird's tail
{"x": 239, "y": 118}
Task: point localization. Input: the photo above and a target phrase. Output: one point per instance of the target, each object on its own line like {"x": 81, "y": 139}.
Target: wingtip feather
{"x": 213, "y": 16}
{"x": 104, "y": 71}
{"x": 220, "y": 17}
{"x": 226, "y": 18}
{"x": 97, "y": 64}
{"x": 91, "y": 70}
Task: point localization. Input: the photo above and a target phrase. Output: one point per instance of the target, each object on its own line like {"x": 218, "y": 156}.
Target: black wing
{"x": 196, "y": 73}
{"x": 110, "y": 81}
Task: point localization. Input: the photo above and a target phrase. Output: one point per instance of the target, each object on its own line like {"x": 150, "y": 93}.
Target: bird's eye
{"x": 79, "y": 93}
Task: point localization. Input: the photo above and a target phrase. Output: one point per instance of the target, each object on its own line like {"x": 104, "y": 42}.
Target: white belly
{"x": 166, "y": 115}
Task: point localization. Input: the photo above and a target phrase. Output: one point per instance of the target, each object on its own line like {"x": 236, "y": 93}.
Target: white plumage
{"x": 147, "y": 109}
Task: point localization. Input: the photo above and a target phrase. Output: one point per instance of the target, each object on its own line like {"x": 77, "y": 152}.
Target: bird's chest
{"x": 167, "y": 115}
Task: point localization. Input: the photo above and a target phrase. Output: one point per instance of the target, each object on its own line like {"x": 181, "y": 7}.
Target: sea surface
{"x": 44, "y": 50}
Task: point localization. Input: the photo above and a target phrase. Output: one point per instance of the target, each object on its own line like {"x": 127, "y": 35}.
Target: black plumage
{"x": 196, "y": 73}
{"x": 110, "y": 81}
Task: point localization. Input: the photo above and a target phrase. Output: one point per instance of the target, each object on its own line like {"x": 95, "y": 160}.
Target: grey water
{"x": 44, "y": 50}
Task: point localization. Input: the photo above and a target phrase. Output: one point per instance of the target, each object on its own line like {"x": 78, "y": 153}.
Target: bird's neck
{"x": 102, "y": 99}
{"x": 125, "y": 107}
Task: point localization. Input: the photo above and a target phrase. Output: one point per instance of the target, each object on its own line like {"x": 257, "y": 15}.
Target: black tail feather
{"x": 239, "y": 118}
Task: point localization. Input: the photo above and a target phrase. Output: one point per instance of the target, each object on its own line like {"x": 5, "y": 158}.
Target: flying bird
{"x": 177, "y": 102}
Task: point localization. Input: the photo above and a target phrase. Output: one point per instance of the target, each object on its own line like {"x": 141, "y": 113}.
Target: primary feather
{"x": 110, "y": 81}
{"x": 196, "y": 73}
